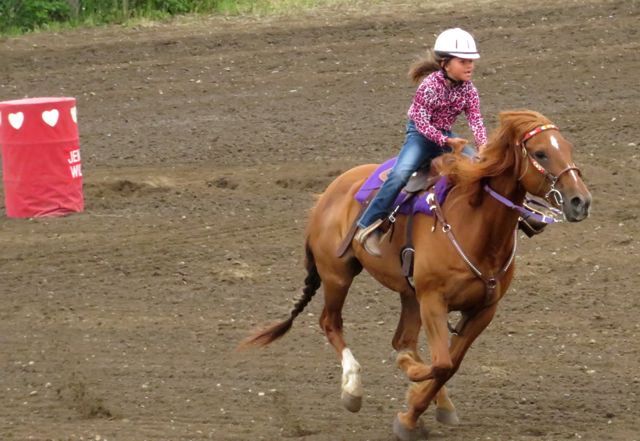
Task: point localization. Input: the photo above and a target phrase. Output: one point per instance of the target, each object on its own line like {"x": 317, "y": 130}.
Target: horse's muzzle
{"x": 576, "y": 207}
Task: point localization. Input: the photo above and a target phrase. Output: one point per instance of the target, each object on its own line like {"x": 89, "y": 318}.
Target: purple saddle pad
{"x": 418, "y": 204}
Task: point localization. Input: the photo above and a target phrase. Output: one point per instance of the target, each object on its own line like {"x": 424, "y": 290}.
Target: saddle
{"x": 411, "y": 200}
{"x": 420, "y": 180}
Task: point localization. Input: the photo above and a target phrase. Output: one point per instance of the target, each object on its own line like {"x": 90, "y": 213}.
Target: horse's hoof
{"x": 404, "y": 434}
{"x": 448, "y": 417}
{"x": 351, "y": 402}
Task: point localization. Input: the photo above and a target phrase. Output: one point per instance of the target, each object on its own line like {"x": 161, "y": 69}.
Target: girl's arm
{"x": 474, "y": 117}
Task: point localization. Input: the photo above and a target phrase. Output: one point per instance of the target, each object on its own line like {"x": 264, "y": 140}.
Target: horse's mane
{"x": 498, "y": 156}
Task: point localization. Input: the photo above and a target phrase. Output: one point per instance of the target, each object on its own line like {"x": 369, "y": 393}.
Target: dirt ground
{"x": 203, "y": 143}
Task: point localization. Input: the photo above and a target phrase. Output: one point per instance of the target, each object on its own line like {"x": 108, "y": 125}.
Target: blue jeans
{"x": 416, "y": 152}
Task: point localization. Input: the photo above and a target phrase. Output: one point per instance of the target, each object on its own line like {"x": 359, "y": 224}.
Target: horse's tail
{"x": 274, "y": 332}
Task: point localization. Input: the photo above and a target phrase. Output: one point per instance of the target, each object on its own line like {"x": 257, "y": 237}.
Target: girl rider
{"x": 445, "y": 91}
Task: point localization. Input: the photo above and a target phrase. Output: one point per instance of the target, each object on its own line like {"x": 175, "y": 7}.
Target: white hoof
{"x": 448, "y": 417}
{"x": 351, "y": 402}
{"x": 404, "y": 434}
{"x": 351, "y": 382}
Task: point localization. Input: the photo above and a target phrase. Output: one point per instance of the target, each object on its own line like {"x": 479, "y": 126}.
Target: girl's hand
{"x": 457, "y": 144}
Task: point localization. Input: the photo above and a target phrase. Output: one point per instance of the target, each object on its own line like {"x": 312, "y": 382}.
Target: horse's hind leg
{"x": 337, "y": 276}
{"x": 405, "y": 342}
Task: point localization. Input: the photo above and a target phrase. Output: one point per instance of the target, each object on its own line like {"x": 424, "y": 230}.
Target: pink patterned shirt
{"x": 436, "y": 105}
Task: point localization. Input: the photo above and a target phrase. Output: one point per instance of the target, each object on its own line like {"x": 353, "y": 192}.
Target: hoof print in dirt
{"x": 314, "y": 184}
{"x": 222, "y": 183}
{"x": 76, "y": 396}
{"x": 123, "y": 188}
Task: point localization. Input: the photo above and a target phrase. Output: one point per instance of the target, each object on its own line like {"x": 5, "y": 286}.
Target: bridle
{"x": 551, "y": 178}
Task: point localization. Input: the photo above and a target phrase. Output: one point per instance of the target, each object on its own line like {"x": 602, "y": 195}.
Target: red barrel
{"x": 41, "y": 166}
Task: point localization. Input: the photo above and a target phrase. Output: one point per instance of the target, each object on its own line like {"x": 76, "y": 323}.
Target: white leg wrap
{"x": 351, "y": 382}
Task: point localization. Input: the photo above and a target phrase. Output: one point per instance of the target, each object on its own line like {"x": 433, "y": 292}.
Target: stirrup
{"x": 362, "y": 233}
{"x": 364, "y": 238}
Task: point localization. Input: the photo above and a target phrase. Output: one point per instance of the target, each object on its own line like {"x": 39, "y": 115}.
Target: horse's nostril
{"x": 576, "y": 202}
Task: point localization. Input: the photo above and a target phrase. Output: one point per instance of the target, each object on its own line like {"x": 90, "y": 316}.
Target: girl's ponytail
{"x": 424, "y": 66}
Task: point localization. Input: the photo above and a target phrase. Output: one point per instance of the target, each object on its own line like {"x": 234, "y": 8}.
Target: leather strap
{"x": 346, "y": 242}
{"x": 491, "y": 282}
{"x": 408, "y": 251}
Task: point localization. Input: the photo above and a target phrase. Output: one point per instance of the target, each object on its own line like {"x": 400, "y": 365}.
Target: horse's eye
{"x": 540, "y": 155}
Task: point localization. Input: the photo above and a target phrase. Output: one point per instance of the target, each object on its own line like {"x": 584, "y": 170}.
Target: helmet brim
{"x": 466, "y": 56}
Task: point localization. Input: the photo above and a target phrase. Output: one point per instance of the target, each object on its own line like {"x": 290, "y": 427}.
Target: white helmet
{"x": 456, "y": 42}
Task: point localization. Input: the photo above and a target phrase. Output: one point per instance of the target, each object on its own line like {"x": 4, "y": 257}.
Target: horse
{"x": 464, "y": 264}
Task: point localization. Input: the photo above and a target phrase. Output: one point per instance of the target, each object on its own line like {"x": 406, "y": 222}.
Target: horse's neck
{"x": 495, "y": 222}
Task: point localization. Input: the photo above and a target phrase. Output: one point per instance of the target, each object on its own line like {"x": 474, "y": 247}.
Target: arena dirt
{"x": 203, "y": 144}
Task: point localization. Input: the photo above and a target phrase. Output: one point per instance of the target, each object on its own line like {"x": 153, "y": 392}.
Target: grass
{"x": 274, "y": 7}
{"x": 145, "y": 13}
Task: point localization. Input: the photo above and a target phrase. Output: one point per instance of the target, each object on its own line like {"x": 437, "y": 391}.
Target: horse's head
{"x": 547, "y": 170}
{"x": 527, "y": 147}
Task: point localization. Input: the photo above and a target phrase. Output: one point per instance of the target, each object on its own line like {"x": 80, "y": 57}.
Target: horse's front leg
{"x": 434, "y": 316}
{"x": 471, "y": 329}
{"x": 405, "y": 342}
{"x": 420, "y": 396}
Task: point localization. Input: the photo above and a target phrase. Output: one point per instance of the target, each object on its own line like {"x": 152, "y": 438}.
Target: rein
{"x": 525, "y": 213}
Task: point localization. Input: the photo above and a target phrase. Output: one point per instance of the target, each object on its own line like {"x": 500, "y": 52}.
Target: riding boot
{"x": 370, "y": 238}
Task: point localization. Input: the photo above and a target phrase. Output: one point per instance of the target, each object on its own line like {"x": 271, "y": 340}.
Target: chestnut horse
{"x": 465, "y": 264}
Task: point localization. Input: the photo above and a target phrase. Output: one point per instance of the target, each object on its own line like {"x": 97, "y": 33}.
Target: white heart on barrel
{"x": 74, "y": 114}
{"x": 16, "y": 119}
{"x": 51, "y": 117}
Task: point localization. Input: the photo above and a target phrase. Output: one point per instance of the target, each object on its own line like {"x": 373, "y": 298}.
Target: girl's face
{"x": 460, "y": 69}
